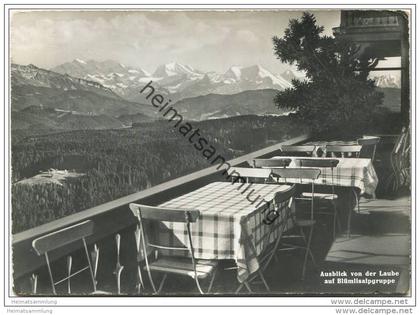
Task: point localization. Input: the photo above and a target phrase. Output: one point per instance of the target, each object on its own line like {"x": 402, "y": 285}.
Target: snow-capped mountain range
{"x": 97, "y": 94}
{"x": 46, "y": 100}
{"x": 32, "y": 75}
{"x": 182, "y": 81}
{"x": 387, "y": 81}
{"x": 173, "y": 78}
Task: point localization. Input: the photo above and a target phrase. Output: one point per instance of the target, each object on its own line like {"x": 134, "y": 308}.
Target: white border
{"x": 200, "y": 301}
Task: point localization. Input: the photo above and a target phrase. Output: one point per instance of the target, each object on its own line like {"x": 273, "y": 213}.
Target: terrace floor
{"x": 379, "y": 242}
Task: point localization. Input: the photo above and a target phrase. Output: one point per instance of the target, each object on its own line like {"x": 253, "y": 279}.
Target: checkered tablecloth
{"x": 350, "y": 172}
{"x": 218, "y": 233}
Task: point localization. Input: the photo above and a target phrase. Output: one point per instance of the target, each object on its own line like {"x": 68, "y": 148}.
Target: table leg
{"x": 347, "y": 201}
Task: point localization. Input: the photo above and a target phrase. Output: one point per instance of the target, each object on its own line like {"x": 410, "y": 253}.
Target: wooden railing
{"x": 114, "y": 216}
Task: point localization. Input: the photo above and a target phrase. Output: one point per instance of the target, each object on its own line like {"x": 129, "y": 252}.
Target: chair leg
{"x": 152, "y": 283}
{"x": 305, "y": 247}
{"x": 247, "y": 286}
{"x": 162, "y": 282}
{"x": 50, "y": 273}
{"x": 198, "y": 285}
{"x": 140, "y": 283}
{"x": 349, "y": 222}
{"x": 357, "y": 198}
{"x": 312, "y": 258}
{"x": 308, "y": 252}
{"x": 117, "y": 273}
{"x": 239, "y": 288}
{"x": 94, "y": 257}
{"x": 211, "y": 282}
{"x": 244, "y": 284}
{"x": 118, "y": 268}
{"x": 34, "y": 283}
{"x": 337, "y": 220}
{"x": 349, "y": 225}
{"x": 263, "y": 280}
{"x": 69, "y": 264}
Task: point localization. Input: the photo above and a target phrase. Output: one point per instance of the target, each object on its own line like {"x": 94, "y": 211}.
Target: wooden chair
{"x": 184, "y": 266}
{"x": 282, "y": 203}
{"x": 368, "y": 144}
{"x": 244, "y": 174}
{"x": 400, "y": 163}
{"x": 343, "y": 151}
{"x": 271, "y": 163}
{"x": 298, "y": 150}
{"x": 79, "y": 232}
{"x": 329, "y": 197}
{"x": 304, "y": 176}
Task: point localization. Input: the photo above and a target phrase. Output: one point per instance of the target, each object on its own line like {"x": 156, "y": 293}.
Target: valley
{"x": 120, "y": 162}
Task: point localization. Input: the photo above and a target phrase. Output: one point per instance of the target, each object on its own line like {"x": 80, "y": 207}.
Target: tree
{"x": 337, "y": 96}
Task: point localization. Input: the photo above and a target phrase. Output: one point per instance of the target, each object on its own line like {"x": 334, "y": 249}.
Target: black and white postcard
{"x": 175, "y": 154}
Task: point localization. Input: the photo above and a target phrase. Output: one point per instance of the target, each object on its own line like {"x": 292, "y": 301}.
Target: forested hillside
{"x": 121, "y": 162}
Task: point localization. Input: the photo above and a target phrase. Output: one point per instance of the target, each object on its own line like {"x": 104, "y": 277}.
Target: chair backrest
{"x": 331, "y": 163}
{"x": 296, "y": 173}
{"x": 283, "y": 196}
{"x": 368, "y": 144}
{"x": 368, "y": 140}
{"x": 52, "y": 241}
{"x": 283, "y": 201}
{"x": 248, "y": 172}
{"x": 63, "y": 237}
{"x": 269, "y": 163}
{"x": 320, "y": 163}
{"x": 400, "y": 161}
{"x": 161, "y": 214}
{"x": 400, "y": 141}
{"x": 298, "y": 150}
{"x": 300, "y": 174}
{"x": 281, "y": 210}
{"x": 343, "y": 150}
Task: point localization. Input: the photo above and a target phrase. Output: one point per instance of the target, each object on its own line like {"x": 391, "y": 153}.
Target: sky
{"x": 205, "y": 40}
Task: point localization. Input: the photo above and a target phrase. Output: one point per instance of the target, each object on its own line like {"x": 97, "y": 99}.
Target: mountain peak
{"x": 39, "y": 77}
{"x": 256, "y": 74}
{"x": 290, "y": 75}
{"x": 77, "y": 60}
{"x": 259, "y": 67}
{"x": 234, "y": 72}
{"x": 257, "y": 70}
{"x": 174, "y": 68}
{"x": 387, "y": 81}
{"x": 172, "y": 64}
